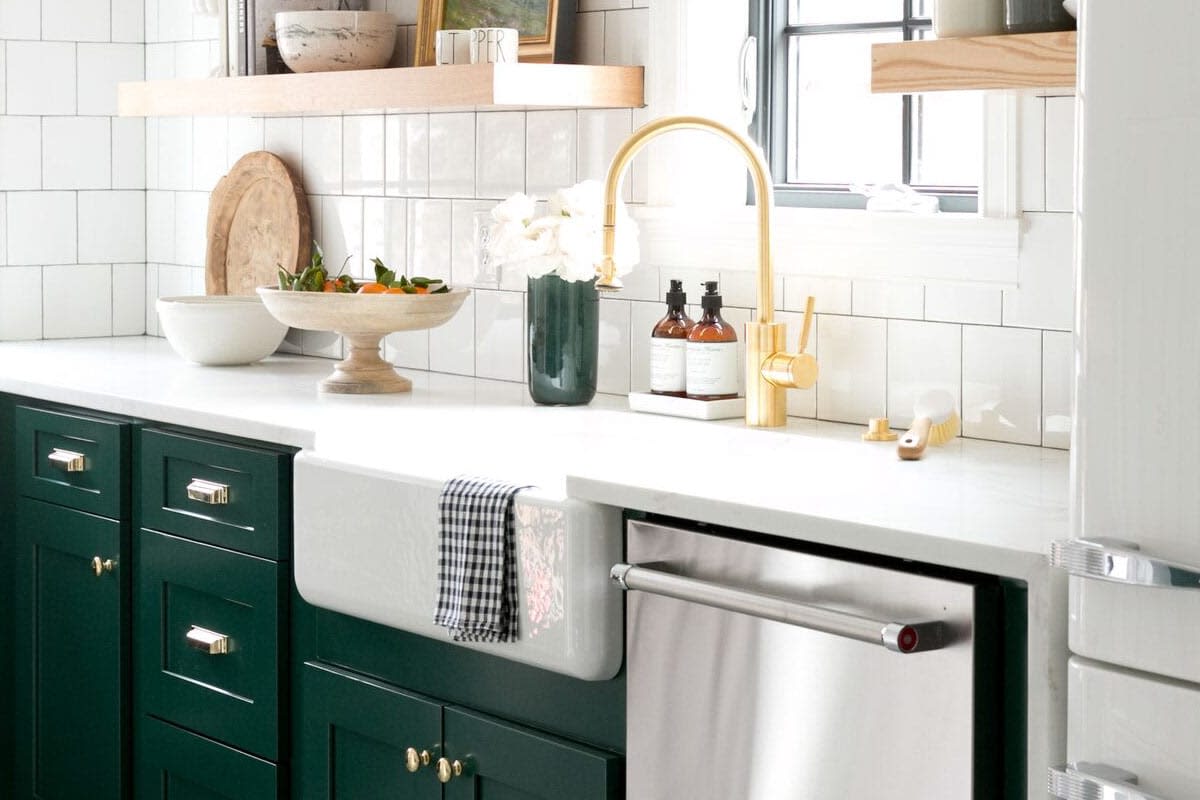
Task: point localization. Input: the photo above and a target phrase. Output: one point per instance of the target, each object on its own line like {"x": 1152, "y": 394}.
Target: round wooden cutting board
{"x": 257, "y": 221}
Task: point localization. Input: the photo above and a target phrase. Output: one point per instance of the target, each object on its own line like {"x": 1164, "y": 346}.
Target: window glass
{"x": 947, "y": 139}
{"x": 835, "y": 12}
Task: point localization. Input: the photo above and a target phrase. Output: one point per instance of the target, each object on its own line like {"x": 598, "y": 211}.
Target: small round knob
{"x": 101, "y": 566}
{"x": 448, "y": 770}
{"x": 791, "y": 370}
{"x": 414, "y": 760}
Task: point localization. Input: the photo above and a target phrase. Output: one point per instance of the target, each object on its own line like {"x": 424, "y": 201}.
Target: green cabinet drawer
{"x": 72, "y": 460}
{"x": 187, "y": 594}
{"x": 173, "y": 764}
{"x": 229, "y": 495}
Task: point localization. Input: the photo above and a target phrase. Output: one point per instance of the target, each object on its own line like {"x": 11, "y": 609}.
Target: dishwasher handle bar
{"x": 1120, "y": 562}
{"x": 1087, "y": 781}
{"x": 895, "y": 636}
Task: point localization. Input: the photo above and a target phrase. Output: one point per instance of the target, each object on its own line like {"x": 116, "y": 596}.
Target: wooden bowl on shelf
{"x": 362, "y": 320}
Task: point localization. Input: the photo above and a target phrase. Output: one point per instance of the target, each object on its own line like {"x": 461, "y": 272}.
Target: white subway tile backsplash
{"x": 626, "y": 37}
{"x": 603, "y": 5}
{"x": 643, "y": 316}
{"x": 193, "y": 60}
{"x": 614, "y": 352}
{"x": 1058, "y": 385}
{"x": 830, "y": 295}
{"x": 40, "y": 78}
{"x": 73, "y": 21}
{"x": 429, "y": 229}
{"x": 499, "y": 154}
{"x": 921, "y": 356}
{"x": 408, "y": 350}
{"x": 150, "y": 298}
{"x": 20, "y": 303}
{"x": 550, "y": 152}
{"x": 362, "y": 155}
{"x": 1046, "y": 296}
{"x": 128, "y": 153}
{"x": 1031, "y": 110}
{"x": 174, "y": 153}
{"x": 322, "y": 140}
{"x": 342, "y": 234}
{"x": 112, "y": 227}
{"x": 3, "y": 229}
{"x": 888, "y": 299}
{"x": 20, "y": 19}
{"x": 101, "y": 68}
{"x": 800, "y": 402}
{"x": 160, "y": 227}
{"x": 160, "y": 62}
{"x": 191, "y": 229}
{"x": 452, "y": 346}
{"x": 322, "y": 344}
{"x": 20, "y": 153}
{"x": 642, "y": 283}
{"x": 77, "y": 153}
{"x": 852, "y": 352}
{"x": 284, "y": 136}
{"x": 601, "y": 132}
{"x": 500, "y": 335}
{"x": 1002, "y": 384}
{"x": 3, "y": 71}
{"x": 385, "y": 227}
{"x": 129, "y": 299}
{"x": 589, "y": 38}
{"x": 406, "y": 155}
{"x": 246, "y": 135}
{"x": 969, "y": 304}
{"x": 77, "y": 301}
{"x": 210, "y": 151}
{"x": 41, "y": 228}
{"x": 129, "y": 20}
{"x": 452, "y": 155}
{"x": 1060, "y": 153}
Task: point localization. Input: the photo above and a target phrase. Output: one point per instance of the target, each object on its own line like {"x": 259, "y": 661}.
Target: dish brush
{"x": 936, "y": 422}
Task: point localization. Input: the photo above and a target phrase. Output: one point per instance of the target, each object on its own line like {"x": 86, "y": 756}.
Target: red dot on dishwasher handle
{"x": 908, "y": 639}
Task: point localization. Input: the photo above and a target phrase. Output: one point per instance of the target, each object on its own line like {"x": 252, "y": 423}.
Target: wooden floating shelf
{"x": 1016, "y": 61}
{"x": 467, "y": 87}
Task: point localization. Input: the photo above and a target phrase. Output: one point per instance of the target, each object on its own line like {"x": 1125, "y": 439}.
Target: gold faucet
{"x": 770, "y": 369}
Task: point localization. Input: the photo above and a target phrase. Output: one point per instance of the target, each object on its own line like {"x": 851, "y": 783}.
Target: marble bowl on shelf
{"x": 219, "y": 330}
{"x": 362, "y": 320}
{"x": 330, "y": 41}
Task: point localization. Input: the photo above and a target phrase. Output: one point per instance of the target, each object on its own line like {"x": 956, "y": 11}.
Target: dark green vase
{"x": 564, "y": 340}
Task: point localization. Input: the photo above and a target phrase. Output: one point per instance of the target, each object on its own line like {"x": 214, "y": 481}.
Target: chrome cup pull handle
{"x": 211, "y": 642}
{"x": 1094, "y": 782}
{"x": 67, "y": 460}
{"x": 1120, "y": 562}
{"x": 208, "y": 492}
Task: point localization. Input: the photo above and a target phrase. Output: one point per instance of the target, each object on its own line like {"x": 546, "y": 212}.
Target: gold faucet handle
{"x": 809, "y": 305}
{"x": 794, "y": 370}
{"x": 606, "y": 276}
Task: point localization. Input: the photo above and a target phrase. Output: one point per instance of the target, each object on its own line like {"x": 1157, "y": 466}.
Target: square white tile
{"x": 1060, "y": 153}
{"x": 128, "y": 153}
{"x": 191, "y": 229}
{"x": 40, "y": 78}
{"x": 922, "y": 356}
{"x": 322, "y": 155}
{"x": 852, "y": 354}
{"x": 101, "y": 68}
{"x": 589, "y": 37}
{"x": 41, "y": 228}
{"x": 20, "y": 19}
{"x": 615, "y": 350}
{"x": 246, "y": 135}
{"x": 193, "y": 60}
{"x": 20, "y": 153}
{"x": 3, "y": 90}
{"x": 452, "y": 346}
{"x": 129, "y": 20}
{"x": 830, "y": 295}
{"x": 77, "y": 301}
{"x": 1002, "y": 377}
{"x": 1058, "y": 388}
{"x": 643, "y": 282}
{"x": 627, "y": 37}
{"x": 969, "y": 304}
{"x": 452, "y": 155}
{"x": 175, "y": 153}
{"x": 408, "y": 350}
{"x": 75, "y": 21}
{"x": 601, "y": 132}
{"x": 160, "y": 227}
{"x": 406, "y": 155}
{"x": 499, "y": 154}
{"x": 160, "y": 62}
{"x": 1031, "y": 112}
{"x": 500, "y": 334}
{"x": 550, "y": 151}
{"x": 342, "y": 234}
{"x": 894, "y": 300}
{"x": 112, "y": 227}
{"x": 3, "y": 228}
{"x": 129, "y": 299}
{"x": 1046, "y": 296}
{"x": 210, "y": 152}
{"x": 20, "y": 301}
{"x": 643, "y": 316}
{"x": 151, "y": 296}
{"x": 429, "y": 232}
{"x": 362, "y": 155}
{"x": 603, "y": 5}
{"x": 385, "y": 227}
{"x": 77, "y": 153}
{"x": 284, "y": 136}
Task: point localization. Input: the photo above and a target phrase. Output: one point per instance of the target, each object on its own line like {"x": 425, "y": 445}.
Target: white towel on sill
{"x": 477, "y": 569}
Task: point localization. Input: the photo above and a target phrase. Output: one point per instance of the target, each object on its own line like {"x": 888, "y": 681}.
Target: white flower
{"x": 568, "y": 242}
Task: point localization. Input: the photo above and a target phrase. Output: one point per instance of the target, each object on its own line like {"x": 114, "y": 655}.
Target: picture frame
{"x": 547, "y": 26}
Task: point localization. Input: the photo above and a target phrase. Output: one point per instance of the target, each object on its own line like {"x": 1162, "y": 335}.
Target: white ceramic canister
{"x": 953, "y": 18}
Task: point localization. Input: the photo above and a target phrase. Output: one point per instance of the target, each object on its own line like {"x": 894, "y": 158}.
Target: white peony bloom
{"x": 584, "y": 199}
{"x": 516, "y": 209}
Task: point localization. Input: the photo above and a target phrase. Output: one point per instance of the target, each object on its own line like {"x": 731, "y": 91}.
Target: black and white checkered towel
{"x": 477, "y": 565}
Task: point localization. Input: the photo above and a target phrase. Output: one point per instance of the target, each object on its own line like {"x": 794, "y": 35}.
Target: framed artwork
{"x": 547, "y": 26}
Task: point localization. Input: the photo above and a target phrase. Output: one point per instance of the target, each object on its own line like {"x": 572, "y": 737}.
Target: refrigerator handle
{"x": 1095, "y": 781}
{"x": 895, "y": 636}
{"x": 1120, "y": 562}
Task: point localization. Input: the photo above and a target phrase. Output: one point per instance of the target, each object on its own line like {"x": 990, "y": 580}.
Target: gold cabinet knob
{"x": 101, "y": 566}
{"x": 414, "y": 760}
{"x": 448, "y": 770}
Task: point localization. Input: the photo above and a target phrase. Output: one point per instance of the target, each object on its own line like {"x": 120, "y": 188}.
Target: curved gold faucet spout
{"x": 770, "y": 370}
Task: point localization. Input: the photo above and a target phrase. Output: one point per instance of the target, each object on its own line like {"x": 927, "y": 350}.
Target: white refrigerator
{"x": 1134, "y": 676}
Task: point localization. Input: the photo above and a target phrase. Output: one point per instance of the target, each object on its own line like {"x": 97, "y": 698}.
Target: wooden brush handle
{"x": 912, "y": 443}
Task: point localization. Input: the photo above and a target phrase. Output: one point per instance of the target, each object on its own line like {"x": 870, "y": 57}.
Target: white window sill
{"x": 957, "y": 248}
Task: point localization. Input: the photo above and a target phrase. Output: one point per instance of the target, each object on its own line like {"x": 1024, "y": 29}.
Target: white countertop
{"x": 971, "y": 504}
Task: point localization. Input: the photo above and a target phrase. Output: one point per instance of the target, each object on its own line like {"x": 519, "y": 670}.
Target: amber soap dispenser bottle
{"x": 668, "y": 346}
{"x": 712, "y": 352}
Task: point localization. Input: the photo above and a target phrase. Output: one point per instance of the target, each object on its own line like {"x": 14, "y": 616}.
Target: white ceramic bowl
{"x": 219, "y": 330}
{"x": 328, "y": 41}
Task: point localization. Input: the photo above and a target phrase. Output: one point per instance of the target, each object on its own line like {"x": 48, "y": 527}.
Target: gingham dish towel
{"x": 477, "y": 565}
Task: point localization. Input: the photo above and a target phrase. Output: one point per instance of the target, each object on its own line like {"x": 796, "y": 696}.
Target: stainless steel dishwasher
{"x": 762, "y": 673}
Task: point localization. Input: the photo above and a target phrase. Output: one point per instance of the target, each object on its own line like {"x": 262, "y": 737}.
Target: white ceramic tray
{"x": 683, "y": 407}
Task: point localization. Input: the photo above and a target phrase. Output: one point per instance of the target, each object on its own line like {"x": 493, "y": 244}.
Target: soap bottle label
{"x": 668, "y": 365}
{"x": 712, "y": 368}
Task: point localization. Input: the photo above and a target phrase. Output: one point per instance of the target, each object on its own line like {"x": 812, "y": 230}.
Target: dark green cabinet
{"x": 174, "y": 764}
{"x": 366, "y": 740}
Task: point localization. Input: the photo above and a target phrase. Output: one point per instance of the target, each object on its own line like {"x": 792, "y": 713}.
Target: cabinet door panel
{"x": 70, "y": 700}
{"x": 354, "y": 735}
{"x": 174, "y": 764}
{"x": 510, "y": 762}
{"x": 98, "y": 485}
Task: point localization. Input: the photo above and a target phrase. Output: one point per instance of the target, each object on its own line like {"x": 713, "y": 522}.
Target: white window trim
{"x": 695, "y": 186}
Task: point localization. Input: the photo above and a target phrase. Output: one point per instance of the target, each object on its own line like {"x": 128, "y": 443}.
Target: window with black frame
{"x": 823, "y": 131}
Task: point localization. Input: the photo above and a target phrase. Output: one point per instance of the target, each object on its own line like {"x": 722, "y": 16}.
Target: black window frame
{"x": 768, "y": 24}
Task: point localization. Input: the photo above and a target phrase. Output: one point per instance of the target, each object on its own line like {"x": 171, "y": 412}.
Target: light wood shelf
{"x": 467, "y": 86}
{"x": 1016, "y": 61}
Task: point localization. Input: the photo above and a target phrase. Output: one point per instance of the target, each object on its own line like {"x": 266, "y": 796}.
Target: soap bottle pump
{"x": 712, "y": 350}
{"x": 668, "y": 346}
